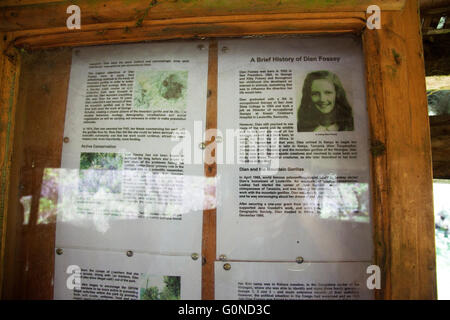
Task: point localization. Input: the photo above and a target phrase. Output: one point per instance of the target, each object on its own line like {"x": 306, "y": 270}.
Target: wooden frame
{"x": 400, "y": 137}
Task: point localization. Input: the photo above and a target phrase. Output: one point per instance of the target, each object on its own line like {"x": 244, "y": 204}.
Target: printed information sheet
{"x": 96, "y": 275}
{"x": 293, "y": 165}
{"x": 122, "y": 185}
{"x": 292, "y": 281}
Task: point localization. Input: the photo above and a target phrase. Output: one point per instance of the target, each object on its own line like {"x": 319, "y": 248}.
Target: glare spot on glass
{"x": 96, "y": 196}
{"x": 441, "y": 192}
{"x": 26, "y": 203}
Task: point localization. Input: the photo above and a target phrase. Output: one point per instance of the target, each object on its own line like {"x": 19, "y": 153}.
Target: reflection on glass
{"x": 347, "y": 201}
{"x": 26, "y": 203}
{"x": 101, "y": 194}
{"x": 322, "y": 196}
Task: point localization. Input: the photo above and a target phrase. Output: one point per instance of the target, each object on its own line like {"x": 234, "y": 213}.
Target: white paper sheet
{"x": 315, "y": 203}
{"x": 292, "y": 281}
{"x": 116, "y": 276}
{"x": 121, "y": 188}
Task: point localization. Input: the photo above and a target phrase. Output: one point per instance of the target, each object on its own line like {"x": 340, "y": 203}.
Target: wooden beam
{"x": 9, "y": 82}
{"x": 401, "y": 157}
{"x": 209, "y": 214}
{"x": 19, "y": 15}
{"x": 188, "y": 28}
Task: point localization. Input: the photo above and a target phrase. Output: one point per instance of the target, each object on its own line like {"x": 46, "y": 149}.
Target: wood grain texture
{"x": 30, "y": 239}
{"x": 209, "y": 214}
{"x": 440, "y": 144}
{"x": 199, "y": 27}
{"x": 9, "y": 82}
{"x": 52, "y": 14}
{"x": 401, "y": 157}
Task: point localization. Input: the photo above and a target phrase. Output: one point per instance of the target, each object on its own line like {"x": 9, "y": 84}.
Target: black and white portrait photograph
{"x": 324, "y": 105}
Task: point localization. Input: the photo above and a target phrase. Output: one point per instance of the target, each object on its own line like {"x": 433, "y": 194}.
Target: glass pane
{"x": 114, "y": 192}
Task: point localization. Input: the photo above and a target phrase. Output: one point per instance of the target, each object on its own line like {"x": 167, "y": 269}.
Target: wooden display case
{"x": 35, "y": 65}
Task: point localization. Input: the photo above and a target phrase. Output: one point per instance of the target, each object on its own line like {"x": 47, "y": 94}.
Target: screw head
{"x": 224, "y": 49}
{"x": 222, "y": 257}
{"x": 194, "y": 256}
{"x": 59, "y": 251}
{"x": 66, "y": 139}
{"x": 202, "y": 146}
{"x": 299, "y": 259}
{"x": 201, "y": 47}
{"x": 227, "y": 266}
{"x": 129, "y": 253}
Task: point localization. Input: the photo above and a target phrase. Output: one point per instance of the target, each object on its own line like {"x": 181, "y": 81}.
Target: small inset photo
{"x": 160, "y": 90}
{"x": 100, "y": 172}
{"x": 324, "y": 105}
{"x": 155, "y": 287}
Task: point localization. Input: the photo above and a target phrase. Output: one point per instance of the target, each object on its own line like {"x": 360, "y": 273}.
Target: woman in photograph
{"x": 324, "y": 105}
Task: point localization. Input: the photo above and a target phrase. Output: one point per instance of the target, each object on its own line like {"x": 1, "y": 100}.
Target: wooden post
{"x": 401, "y": 157}
{"x": 9, "y": 81}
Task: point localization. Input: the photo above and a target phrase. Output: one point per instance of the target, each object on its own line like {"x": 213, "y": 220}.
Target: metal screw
{"x": 202, "y": 146}
{"x": 222, "y": 257}
{"x": 129, "y": 253}
{"x": 66, "y": 139}
{"x": 59, "y": 251}
{"x": 194, "y": 256}
{"x": 299, "y": 260}
{"x": 201, "y": 47}
{"x": 227, "y": 266}
{"x": 224, "y": 49}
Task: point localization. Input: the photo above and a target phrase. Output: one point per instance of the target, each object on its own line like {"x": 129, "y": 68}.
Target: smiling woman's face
{"x": 323, "y": 95}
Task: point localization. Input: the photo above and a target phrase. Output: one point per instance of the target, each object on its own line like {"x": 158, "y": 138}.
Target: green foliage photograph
{"x": 160, "y": 90}
{"x": 100, "y": 172}
{"x": 157, "y": 288}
